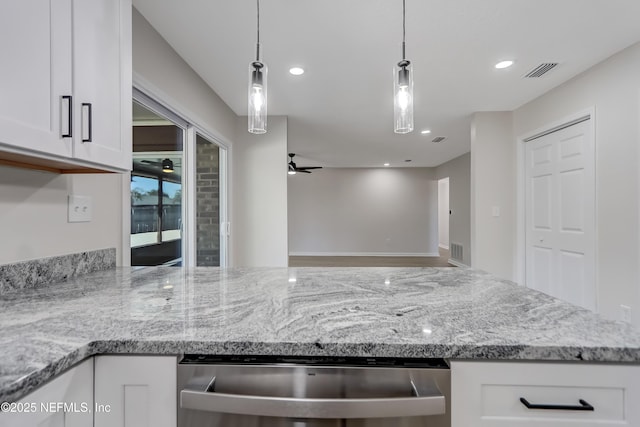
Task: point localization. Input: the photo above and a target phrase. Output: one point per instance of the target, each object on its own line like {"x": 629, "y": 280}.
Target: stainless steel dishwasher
{"x": 216, "y": 391}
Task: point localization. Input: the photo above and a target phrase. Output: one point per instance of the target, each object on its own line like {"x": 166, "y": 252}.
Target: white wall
{"x": 259, "y": 212}
{"x": 493, "y": 186}
{"x": 158, "y": 69}
{"x": 162, "y": 74}
{"x": 339, "y": 211}
{"x": 458, "y": 170}
{"x": 613, "y": 88}
{"x": 443, "y": 213}
{"x": 33, "y": 214}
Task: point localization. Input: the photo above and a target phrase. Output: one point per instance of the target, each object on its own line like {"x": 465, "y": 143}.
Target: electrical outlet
{"x": 79, "y": 208}
{"x": 625, "y": 313}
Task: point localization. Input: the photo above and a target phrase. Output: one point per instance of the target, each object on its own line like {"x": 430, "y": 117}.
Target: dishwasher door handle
{"x": 293, "y": 407}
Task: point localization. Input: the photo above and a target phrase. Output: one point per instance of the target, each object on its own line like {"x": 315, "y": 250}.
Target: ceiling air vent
{"x": 540, "y": 70}
{"x": 439, "y": 139}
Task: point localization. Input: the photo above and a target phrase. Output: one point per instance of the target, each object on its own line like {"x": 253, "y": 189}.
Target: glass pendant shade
{"x": 257, "y": 114}
{"x": 403, "y": 97}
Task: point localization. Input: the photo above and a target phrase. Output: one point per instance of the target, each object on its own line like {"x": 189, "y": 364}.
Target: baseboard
{"x": 445, "y": 247}
{"x": 373, "y": 254}
{"x": 456, "y": 263}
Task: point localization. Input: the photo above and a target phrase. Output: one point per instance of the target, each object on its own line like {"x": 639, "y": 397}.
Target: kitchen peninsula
{"x": 451, "y": 313}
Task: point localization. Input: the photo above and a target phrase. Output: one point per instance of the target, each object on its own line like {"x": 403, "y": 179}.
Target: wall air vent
{"x": 541, "y": 70}
{"x": 439, "y": 139}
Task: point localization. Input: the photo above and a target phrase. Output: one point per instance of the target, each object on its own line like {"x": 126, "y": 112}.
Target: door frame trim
{"x": 521, "y": 249}
{"x": 143, "y": 92}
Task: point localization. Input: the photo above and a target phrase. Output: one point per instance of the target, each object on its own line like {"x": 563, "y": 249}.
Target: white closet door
{"x": 560, "y": 214}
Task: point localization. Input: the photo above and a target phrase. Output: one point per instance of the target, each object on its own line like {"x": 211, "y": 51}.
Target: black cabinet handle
{"x": 69, "y": 133}
{"x": 89, "y": 123}
{"x": 584, "y": 406}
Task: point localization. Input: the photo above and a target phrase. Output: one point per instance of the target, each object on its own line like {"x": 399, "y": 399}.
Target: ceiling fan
{"x": 293, "y": 169}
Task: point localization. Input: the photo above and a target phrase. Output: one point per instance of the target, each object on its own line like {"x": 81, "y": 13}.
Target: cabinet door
{"x": 66, "y": 401}
{"x": 140, "y": 391}
{"x": 102, "y": 81}
{"x": 488, "y": 394}
{"x": 35, "y": 41}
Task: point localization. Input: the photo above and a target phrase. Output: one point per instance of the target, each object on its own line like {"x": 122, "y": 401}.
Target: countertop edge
{"x": 503, "y": 353}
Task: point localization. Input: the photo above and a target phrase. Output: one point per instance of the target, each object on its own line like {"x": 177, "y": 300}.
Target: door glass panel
{"x": 144, "y": 211}
{"x": 156, "y": 189}
{"x": 207, "y": 202}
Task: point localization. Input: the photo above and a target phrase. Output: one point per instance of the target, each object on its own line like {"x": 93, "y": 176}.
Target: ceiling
{"x": 341, "y": 110}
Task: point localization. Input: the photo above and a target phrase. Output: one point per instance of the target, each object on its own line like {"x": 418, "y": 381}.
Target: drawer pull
{"x": 584, "y": 406}
{"x": 69, "y": 100}
{"x": 87, "y": 106}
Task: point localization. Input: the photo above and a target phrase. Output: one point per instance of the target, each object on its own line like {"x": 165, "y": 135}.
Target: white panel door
{"x": 35, "y": 41}
{"x": 443, "y": 213}
{"x": 560, "y": 214}
{"x": 102, "y": 81}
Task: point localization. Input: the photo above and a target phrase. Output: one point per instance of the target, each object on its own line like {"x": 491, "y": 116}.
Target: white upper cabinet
{"x": 102, "y": 81}
{"x": 65, "y": 86}
{"x": 36, "y": 75}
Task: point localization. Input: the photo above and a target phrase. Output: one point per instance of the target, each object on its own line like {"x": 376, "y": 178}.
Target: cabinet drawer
{"x": 503, "y": 401}
{"x": 488, "y": 394}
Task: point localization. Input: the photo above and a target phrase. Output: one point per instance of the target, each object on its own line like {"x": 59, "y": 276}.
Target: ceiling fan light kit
{"x": 403, "y": 89}
{"x": 257, "y": 103}
{"x": 167, "y": 166}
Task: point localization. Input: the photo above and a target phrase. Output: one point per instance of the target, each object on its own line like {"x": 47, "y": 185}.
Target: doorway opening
{"x": 443, "y": 217}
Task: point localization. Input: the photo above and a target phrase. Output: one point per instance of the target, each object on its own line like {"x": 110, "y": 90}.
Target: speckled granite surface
{"x": 394, "y": 312}
{"x": 40, "y": 272}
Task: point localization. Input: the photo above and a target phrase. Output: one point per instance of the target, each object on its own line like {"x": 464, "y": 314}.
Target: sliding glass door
{"x": 156, "y": 189}
{"x": 178, "y": 192}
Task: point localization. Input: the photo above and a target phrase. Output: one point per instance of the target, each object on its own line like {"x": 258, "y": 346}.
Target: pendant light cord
{"x": 258, "y": 31}
{"x": 403, "y": 30}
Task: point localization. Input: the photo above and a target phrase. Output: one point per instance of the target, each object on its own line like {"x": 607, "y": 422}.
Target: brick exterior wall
{"x": 207, "y": 203}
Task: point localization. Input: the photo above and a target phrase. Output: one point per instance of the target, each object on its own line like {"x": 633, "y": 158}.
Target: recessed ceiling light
{"x": 504, "y": 64}
{"x": 426, "y": 131}
{"x": 296, "y": 71}
{"x": 386, "y": 164}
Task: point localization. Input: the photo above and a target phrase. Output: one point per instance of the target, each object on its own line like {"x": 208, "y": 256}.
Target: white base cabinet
{"x": 66, "y": 401}
{"x": 488, "y": 394}
{"x": 140, "y": 391}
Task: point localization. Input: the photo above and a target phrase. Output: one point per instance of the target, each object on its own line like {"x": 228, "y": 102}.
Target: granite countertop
{"x": 385, "y": 312}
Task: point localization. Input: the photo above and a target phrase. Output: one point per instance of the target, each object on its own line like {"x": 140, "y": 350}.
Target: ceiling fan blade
{"x": 302, "y": 171}
{"x": 309, "y": 167}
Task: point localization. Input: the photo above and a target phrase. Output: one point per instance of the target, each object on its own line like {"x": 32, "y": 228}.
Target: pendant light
{"x": 257, "y": 88}
{"x": 167, "y": 166}
{"x": 403, "y": 89}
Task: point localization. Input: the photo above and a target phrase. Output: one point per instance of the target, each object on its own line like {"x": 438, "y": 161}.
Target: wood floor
{"x": 370, "y": 261}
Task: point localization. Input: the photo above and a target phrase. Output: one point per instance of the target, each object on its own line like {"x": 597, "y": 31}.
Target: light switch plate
{"x": 80, "y": 208}
{"x": 495, "y": 211}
